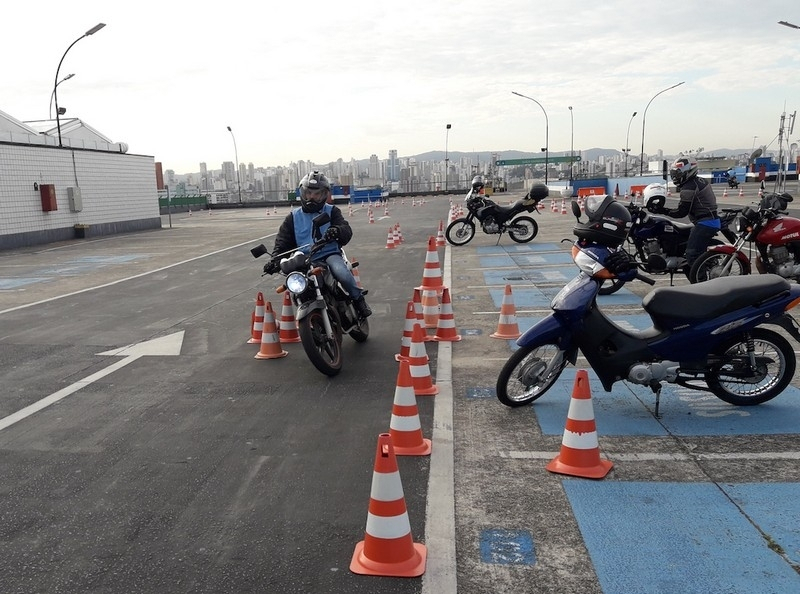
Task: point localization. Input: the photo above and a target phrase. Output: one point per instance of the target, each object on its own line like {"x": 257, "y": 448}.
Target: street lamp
{"x": 790, "y": 25}
{"x": 446, "y": 160}
{"x": 627, "y": 145}
{"x": 644, "y": 119}
{"x": 236, "y": 154}
{"x": 91, "y": 31}
{"x": 69, "y": 76}
{"x": 571, "y": 143}
{"x": 546, "y": 133}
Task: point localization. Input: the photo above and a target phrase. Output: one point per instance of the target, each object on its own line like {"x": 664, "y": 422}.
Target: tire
{"x": 611, "y": 286}
{"x": 732, "y": 381}
{"x": 460, "y": 232}
{"x": 324, "y": 354}
{"x": 710, "y": 264}
{"x": 361, "y": 333}
{"x": 521, "y": 382}
{"x": 522, "y": 229}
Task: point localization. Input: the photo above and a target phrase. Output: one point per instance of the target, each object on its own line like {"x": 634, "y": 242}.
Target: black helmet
{"x": 538, "y": 192}
{"x": 682, "y": 170}
{"x": 609, "y": 221}
{"x": 477, "y": 183}
{"x": 315, "y": 189}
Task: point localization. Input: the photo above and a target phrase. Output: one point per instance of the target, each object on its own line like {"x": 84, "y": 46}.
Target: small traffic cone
{"x": 258, "y": 320}
{"x": 741, "y": 192}
{"x": 288, "y": 323}
{"x": 507, "y": 327}
{"x": 398, "y": 235}
{"x": 418, "y": 364}
{"x": 417, "y": 299}
{"x": 270, "y": 344}
{"x": 408, "y": 332}
{"x": 580, "y": 452}
{"x": 370, "y": 215}
{"x": 430, "y": 308}
{"x": 388, "y": 548}
{"x": 405, "y": 428}
{"x": 440, "y": 241}
{"x": 357, "y": 276}
{"x": 432, "y": 273}
{"x": 446, "y": 328}
{"x": 563, "y": 206}
{"x": 725, "y": 193}
{"x": 390, "y": 239}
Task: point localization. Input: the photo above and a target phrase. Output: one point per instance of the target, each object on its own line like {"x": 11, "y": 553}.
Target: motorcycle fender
{"x": 550, "y": 330}
{"x": 305, "y": 308}
{"x": 787, "y": 322}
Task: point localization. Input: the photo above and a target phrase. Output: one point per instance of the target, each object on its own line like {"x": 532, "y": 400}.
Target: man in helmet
{"x": 297, "y": 229}
{"x": 698, "y": 202}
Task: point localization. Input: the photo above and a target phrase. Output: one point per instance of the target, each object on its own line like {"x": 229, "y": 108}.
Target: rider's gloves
{"x": 656, "y": 209}
{"x": 272, "y": 267}
{"x": 619, "y": 262}
{"x": 331, "y": 234}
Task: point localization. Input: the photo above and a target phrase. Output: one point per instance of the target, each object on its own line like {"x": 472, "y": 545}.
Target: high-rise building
{"x": 393, "y": 167}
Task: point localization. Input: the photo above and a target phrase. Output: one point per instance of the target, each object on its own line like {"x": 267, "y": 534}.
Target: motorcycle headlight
{"x": 296, "y": 282}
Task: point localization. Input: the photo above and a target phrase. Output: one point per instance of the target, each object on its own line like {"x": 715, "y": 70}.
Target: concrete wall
{"x": 118, "y": 193}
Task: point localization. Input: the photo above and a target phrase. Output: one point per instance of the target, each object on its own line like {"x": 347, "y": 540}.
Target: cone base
{"x": 271, "y": 355}
{"x": 423, "y": 449}
{"x": 511, "y": 336}
{"x": 455, "y": 338}
{"x": 413, "y": 567}
{"x": 289, "y": 340}
{"x": 596, "y": 471}
{"x": 432, "y": 391}
{"x": 254, "y": 341}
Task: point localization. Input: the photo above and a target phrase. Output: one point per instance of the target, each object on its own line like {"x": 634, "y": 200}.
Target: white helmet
{"x": 654, "y": 190}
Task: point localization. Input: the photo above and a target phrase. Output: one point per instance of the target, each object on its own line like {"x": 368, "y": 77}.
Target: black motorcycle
{"x": 494, "y": 219}
{"x": 324, "y": 309}
{"x": 733, "y": 182}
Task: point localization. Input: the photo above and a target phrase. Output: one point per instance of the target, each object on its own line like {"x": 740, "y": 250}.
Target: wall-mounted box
{"x": 75, "y": 200}
{"x": 48, "y": 195}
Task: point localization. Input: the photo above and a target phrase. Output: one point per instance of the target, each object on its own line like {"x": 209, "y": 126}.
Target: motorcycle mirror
{"x": 576, "y": 210}
{"x": 321, "y": 219}
{"x": 259, "y": 251}
{"x": 664, "y": 169}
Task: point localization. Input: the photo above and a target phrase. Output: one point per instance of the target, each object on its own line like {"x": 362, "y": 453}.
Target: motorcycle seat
{"x": 711, "y": 298}
{"x": 679, "y": 225}
{"x": 507, "y": 209}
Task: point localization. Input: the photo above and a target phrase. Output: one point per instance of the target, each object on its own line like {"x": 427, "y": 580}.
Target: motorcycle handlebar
{"x": 644, "y": 279}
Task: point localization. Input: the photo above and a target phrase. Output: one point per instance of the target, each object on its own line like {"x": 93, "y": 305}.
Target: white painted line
{"x": 656, "y": 456}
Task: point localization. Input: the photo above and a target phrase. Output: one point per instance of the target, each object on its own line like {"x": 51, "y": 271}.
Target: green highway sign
{"x": 539, "y": 160}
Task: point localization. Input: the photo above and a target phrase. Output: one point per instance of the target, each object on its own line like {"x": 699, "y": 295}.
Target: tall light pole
{"x": 571, "y": 143}
{"x": 546, "y": 133}
{"x": 446, "y": 159}
{"x": 236, "y": 154}
{"x": 790, "y": 25}
{"x": 644, "y": 119}
{"x": 627, "y": 144}
{"x": 91, "y": 31}
{"x": 69, "y": 76}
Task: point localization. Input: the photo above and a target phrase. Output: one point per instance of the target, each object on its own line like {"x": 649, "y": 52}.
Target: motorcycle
{"x": 657, "y": 243}
{"x": 708, "y": 337}
{"x": 767, "y": 230}
{"x": 324, "y": 310}
{"x": 494, "y": 219}
{"x": 733, "y": 182}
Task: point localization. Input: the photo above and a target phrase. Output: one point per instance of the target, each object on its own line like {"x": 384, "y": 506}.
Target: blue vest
{"x": 303, "y": 228}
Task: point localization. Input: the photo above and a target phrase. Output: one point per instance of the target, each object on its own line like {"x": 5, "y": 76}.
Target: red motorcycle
{"x": 768, "y": 232}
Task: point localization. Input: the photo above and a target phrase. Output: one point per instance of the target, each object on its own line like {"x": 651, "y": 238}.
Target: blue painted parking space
{"x": 688, "y": 537}
{"x": 517, "y": 248}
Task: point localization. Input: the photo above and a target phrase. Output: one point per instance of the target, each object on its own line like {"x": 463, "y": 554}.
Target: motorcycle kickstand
{"x": 499, "y": 237}
{"x": 656, "y": 388}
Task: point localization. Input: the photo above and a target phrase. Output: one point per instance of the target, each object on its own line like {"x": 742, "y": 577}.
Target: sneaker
{"x": 362, "y": 309}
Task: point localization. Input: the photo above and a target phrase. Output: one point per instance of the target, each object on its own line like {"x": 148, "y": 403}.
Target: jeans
{"x": 341, "y": 273}
{"x": 698, "y": 241}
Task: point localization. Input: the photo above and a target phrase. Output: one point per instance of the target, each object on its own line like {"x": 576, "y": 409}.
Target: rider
{"x": 297, "y": 229}
{"x": 698, "y": 201}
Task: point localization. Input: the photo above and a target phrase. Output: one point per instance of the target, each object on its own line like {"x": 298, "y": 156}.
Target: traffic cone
{"x": 432, "y": 274}
{"x": 580, "y": 452}
{"x": 270, "y": 345}
{"x": 725, "y": 193}
{"x": 398, "y": 234}
{"x": 446, "y": 328}
{"x": 507, "y": 326}
{"x": 405, "y": 427}
{"x": 288, "y": 323}
{"x": 258, "y": 320}
{"x": 356, "y": 275}
{"x": 440, "y": 241}
{"x": 430, "y": 308}
{"x": 408, "y": 332}
{"x": 741, "y": 192}
{"x": 388, "y": 548}
{"x": 390, "y": 239}
{"x": 370, "y": 215}
{"x": 563, "y": 206}
{"x": 418, "y": 364}
{"x": 417, "y": 299}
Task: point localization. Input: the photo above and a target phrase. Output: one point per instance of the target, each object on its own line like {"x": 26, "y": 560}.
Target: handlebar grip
{"x": 645, "y": 279}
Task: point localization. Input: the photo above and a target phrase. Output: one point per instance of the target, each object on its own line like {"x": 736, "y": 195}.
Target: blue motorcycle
{"x": 709, "y": 336}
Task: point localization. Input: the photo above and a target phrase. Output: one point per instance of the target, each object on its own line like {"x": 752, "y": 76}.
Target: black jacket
{"x": 697, "y": 200}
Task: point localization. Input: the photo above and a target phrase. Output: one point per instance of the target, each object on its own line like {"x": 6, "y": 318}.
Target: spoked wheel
{"x": 460, "y": 232}
{"x": 523, "y": 229}
{"x": 529, "y": 373}
{"x": 714, "y": 265}
{"x": 325, "y": 354}
{"x": 747, "y": 376}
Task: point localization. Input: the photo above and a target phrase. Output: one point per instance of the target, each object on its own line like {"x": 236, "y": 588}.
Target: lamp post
{"x": 546, "y": 133}
{"x": 644, "y": 119}
{"x": 627, "y": 144}
{"x": 790, "y": 25}
{"x": 446, "y": 160}
{"x": 236, "y": 154}
{"x": 571, "y": 143}
{"x": 69, "y": 76}
{"x": 91, "y": 31}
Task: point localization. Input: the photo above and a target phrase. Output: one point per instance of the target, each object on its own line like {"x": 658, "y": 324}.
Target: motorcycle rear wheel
{"x": 522, "y": 229}
{"x": 529, "y": 373}
{"x": 710, "y": 264}
{"x": 324, "y": 354}
{"x": 460, "y": 232}
{"x": 735, "y": 382}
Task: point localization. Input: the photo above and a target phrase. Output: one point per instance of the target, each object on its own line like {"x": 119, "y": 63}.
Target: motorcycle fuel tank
{"x": 780, "y": 231}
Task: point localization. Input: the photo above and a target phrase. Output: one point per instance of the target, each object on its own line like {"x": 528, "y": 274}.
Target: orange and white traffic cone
{"x": 405, "y": 428}
{"x": 270, "y": 344}
{"x": 725, "y": 193}
{"x": 446, "y": 328}
{"x": 408, "y": 332}
{"x": 430, "y": 308}
{"x": 388, "y": 548}
{"x": 398, "y": 236}
{"x": 354, "y": 264}
{"x": 288, "y": 324}
{"x": 580, "y": 452}
{"x": 370, "y": 215}
{"x": 741, "y": 192}
{"x": 258, "y": 320}
{"x": 440, "y": 242}
{"x": 563, "y": 206}
{"x": 417, "y": 299}
{"x": 390, "y": 239}
{"x": 507, "y": 326}
{"x": 418, "y": 364}
{"x": 432, "y": 273}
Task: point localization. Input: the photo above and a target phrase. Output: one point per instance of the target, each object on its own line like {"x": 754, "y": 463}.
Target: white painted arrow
{"x": 164, "y": 346}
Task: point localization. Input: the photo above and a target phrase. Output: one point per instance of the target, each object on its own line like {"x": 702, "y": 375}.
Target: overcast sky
{"x": 349, "y": 78}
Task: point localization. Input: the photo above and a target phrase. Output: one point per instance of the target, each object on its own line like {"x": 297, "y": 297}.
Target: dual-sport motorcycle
{"x": 767, "y": 231}
{"x": 709, "y": 336}
{"x": 494, "y": 218}
{"x": 732, "y": 181}
{"x": 324, "y": 310}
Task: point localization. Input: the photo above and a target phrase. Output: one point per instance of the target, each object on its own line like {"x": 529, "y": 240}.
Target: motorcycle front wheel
{"x": 460, "y": 232}
{"x": 522, "y": 229}
{"x": 747, "y": 378}
{"x": 711, "y": 265}
{"x": 325, "y": 354}
{"x": 529, "y": 373}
